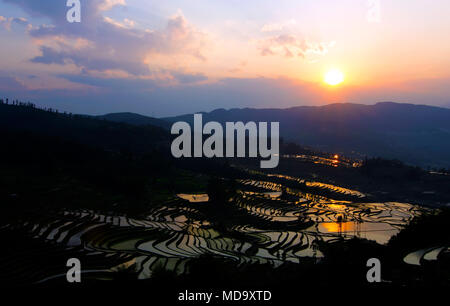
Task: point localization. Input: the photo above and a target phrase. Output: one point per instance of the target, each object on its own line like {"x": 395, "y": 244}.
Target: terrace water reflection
{"x": 377, "y": 231}
{"x": 194, "y": 198}
{"x": 278, "y": 224}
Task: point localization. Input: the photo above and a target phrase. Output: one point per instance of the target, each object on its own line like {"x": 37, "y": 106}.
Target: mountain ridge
{"x": 134, "y": 119}
{"x": 417, "y": 134}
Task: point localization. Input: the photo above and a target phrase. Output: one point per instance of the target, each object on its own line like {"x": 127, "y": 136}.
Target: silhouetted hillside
{"x": 83, "y": 129}
{"x": 416, "y": 134}
{"x": 135, "y": 119}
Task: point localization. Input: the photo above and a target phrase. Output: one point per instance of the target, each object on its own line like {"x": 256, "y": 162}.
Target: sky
{"x": 166, "y": 58}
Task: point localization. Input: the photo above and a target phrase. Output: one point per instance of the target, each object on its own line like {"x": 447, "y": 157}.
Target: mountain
{"x": 87, "y": 130}
{"x": 416, "y": 134}
{"x": 134, "y": 119}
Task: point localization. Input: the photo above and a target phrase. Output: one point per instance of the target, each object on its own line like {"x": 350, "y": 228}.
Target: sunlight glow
{"x": 334, "y": 77}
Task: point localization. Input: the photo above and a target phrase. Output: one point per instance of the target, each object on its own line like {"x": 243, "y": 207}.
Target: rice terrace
{"x": 277, "y": 219}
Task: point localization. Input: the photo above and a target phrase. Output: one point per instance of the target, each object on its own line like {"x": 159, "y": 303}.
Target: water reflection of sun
{"x": 336, "y": 227}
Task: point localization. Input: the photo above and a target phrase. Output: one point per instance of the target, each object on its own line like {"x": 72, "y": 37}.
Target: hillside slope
{"x": 416, "y": 134}
{"x": 83, "y": 129}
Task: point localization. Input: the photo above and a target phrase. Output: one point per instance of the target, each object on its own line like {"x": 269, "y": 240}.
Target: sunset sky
{"x": 163, "y": 58}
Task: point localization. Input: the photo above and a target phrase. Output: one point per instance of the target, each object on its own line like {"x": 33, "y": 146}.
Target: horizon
{"x": 268, "y": 108}
{"x": 167, "y": 59}
{"x": 43, "y": 107}
{"x": 290, "y": 107}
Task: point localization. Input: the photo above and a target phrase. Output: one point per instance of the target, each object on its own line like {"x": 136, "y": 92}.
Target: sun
{"x": 334, "y": 77}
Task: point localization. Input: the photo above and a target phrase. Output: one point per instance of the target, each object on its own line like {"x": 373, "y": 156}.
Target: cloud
{"x": 185, "y": 78}
{"x": 289, "y": 46}
{"x": 274, "y": 27}
{"x": 374, "y": 11}
{"x": 113, "y": 83}
{"x": 109, "y": 44}
{"x": 11, "y": 84}
{"x": 239, "y": 68}
{"x": 126, "y": 24}
{"x": 49, "y": 56}
{"x": 109, "y": 4}
{"x": 8, "y": 22}
{"x": 56, "y": 10}
{"x": 147, "y": 96}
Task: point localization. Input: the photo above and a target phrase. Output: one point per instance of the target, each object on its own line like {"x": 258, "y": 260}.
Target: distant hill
{"x": 416, "y": 134}
{"x": 82, "y": 129}
{"x": 135, "y": 119}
